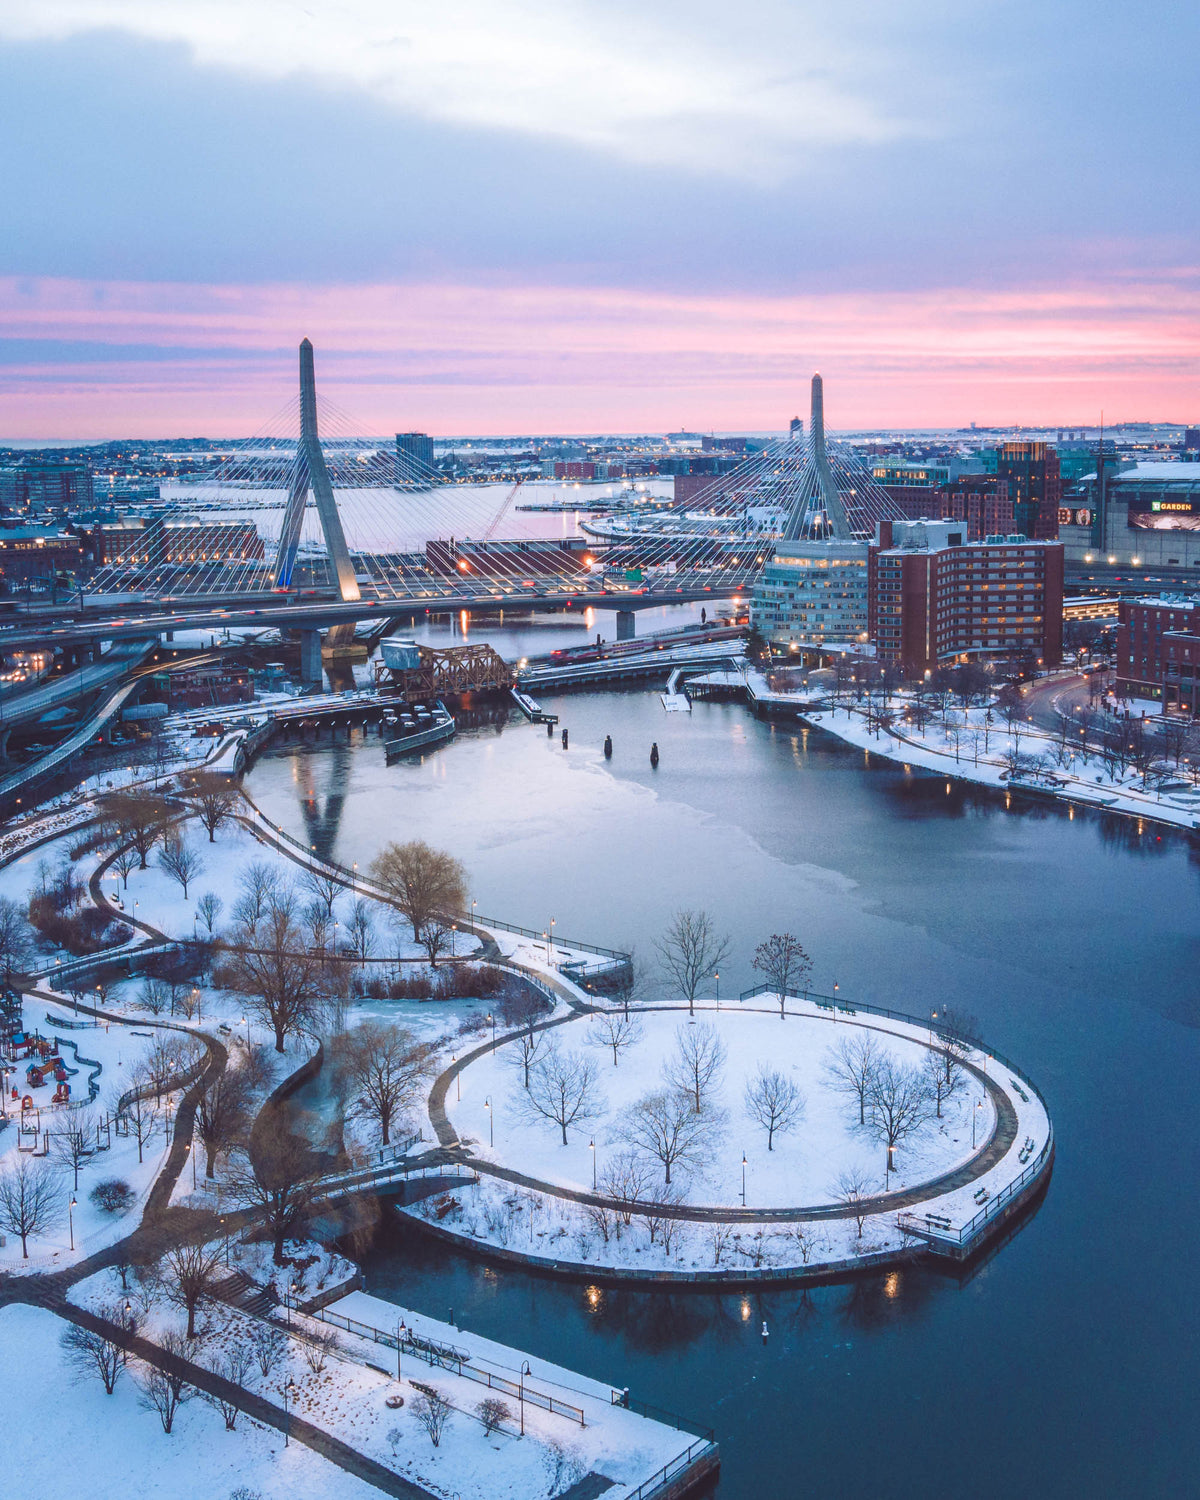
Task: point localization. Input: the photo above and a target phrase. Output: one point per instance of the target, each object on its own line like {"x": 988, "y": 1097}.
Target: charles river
{"x": 1066, "y": 1365}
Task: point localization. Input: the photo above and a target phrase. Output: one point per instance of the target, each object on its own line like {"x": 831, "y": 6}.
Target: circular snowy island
{"x": 747, "y": 1142}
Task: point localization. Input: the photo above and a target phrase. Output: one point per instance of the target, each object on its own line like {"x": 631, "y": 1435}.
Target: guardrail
{"x": 181, "y": 1080}
{"x": 679, "y": 1465}
{"x": 447, "y": 1357}
{"x": 963, "y": 1236}
{"x": 562, "y": 942}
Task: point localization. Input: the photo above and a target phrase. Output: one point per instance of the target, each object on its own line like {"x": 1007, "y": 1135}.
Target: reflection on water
{"x": 1063, "y": 1367}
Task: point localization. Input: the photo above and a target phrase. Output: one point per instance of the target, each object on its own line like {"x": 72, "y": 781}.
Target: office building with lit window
{"x": 811, "y": 594}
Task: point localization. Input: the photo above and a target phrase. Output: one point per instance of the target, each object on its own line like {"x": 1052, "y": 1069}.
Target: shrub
{"x": 113, "y": 1195}
{"x": 492, "y": 1414}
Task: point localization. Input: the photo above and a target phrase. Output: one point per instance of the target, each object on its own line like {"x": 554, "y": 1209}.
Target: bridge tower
{"x": 310, "y": 473}
{"x": 825, "y": 486}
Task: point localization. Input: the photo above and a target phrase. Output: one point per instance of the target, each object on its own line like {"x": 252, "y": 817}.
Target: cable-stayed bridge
{"x": 309, "y": 525}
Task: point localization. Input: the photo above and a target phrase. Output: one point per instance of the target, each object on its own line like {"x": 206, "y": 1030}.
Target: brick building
{"x": 65, "y": 487}
{"x": 934, "y": 596}
{"x": 1158, "y": 651}
{"x": 981, "y": 501}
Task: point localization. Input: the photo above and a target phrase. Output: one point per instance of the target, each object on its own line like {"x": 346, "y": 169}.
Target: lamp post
{"x": 974, "y": 1117}
{"x": 401, "y": 1333}
{"x": 890, "y": 1167}
{"x": 71, "y": 1221}
{"x": 453, "y": 934}
{"x": 288, "y": 1390}
{"x": 717, "y": 981}
{"x": 592, "y": 1149}
{"x": 743, "y": 1179}
{"x": 487, "y": 1104}
{"x": 525, "y": 1370}
{"x": 457, "y": 1079}
{"x": 552, "y": 922}
{"x": 492, "y": 1023}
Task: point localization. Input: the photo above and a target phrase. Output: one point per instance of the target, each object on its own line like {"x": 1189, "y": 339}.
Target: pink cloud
{"x": 452, "y": 358}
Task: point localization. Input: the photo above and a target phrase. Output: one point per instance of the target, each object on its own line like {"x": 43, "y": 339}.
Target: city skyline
{"x": 512, "y": 219}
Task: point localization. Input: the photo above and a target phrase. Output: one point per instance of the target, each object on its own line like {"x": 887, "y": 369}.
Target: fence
{"x": 966, "y": 1233}
{"x": 166, "y": 1085}
{"x": 679, "y": 1465}
{"x": 446, "y": 1357}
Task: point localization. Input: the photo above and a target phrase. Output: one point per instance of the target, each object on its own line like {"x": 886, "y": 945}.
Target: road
{"x": 25, "y": 706}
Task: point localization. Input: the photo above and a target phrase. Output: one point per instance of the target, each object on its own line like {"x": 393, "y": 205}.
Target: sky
{"x": 594, "y": 215}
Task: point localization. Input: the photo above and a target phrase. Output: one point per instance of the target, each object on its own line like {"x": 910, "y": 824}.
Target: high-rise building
{"x": 62, "y": 487}
{"x": 796, "y": 430}
{"x": 414, "y": 458}
{"x": 1191, "y": 439}
{"x": 934, "y": 596}
{"x": 1035, "y": 486}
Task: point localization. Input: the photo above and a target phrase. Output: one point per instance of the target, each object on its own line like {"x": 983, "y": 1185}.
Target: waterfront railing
{"x": 447, "y": 1357}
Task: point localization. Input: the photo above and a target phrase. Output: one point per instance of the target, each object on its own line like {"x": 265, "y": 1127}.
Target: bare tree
{"x": 139, "y": 1116}
{"x": 164, "y": 1391}
{"x": 257, "y": 884}
{"x": 278, "y": 1177}
{"x": 775, "y": 1102}
{"x": 627, "y": 1180}
{"x": 142, "y": 819}
{"x": 522, "y": 1053}
{"x": 30, "y": 1199}
{"x": 360, "y": 930}
{"x": 424, "y": 883}
{"x": 16, "y": 937}
{"x": 942, "y": 1078}
{"x": 854, "y": 1188}
{"x": 784, "y": 964}
{"x": 268, "y": 1347}
{"x": 432, "y": 1412}
{"x": 180, "y": 861}
{"x": 124, "y": 862}
{"x": 695, "y": 1069}
{"x": 850, "y": 1068}
{"x": 208, "y": 909}
{"x": 899, "y": 1103}
{"x": 223, "y": 1113}
{"x": 324, "y": 884}
{"x": 386, "y": 1069}
{"x": 435, "y": 939}
{"x": 232, "y": 1364}
{"x": 215, "y": 800}
{"x": 493, "y": 1414}
{"x": 614, "y": 1029}
{"x": 667, "y": 1127}
{"x": 563, "y": 1088}
{"x": 92, "y": 1353}
{"x": 275, "y": 969}
{"x": 317, "y": 1349}
{"x": 74, "y": 1144}
{"x": 689, "y": 952}
{"x": 191, "y": 1275}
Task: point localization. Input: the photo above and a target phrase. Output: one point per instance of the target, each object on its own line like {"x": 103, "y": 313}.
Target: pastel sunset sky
{"x": 596, "y": 215}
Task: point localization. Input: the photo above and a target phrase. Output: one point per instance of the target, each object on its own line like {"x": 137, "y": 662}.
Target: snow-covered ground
{"x": 804, "y": 1164}
{"x": 65, "y": 1437}
{"x": 118, "y": 1050}
{"x": 802, "y": 1171}
{"x": 348, "y": 1400}
{"x": 934, "y": 749}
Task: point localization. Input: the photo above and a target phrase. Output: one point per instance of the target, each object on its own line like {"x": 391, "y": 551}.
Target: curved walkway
{"x": 993, "y": 1150}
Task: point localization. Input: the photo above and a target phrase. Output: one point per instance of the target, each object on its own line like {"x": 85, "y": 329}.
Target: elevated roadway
{"x": 27, "y": 705}
{"x": 70, "y": 629}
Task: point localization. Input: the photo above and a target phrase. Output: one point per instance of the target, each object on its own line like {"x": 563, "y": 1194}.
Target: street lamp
{"x": 492, "y": 1023}
{"x": 974, "y": 1117}
{"x": 717, "y": 981}
{"x": 288, "y": 1390}
{"x": 592, "y": 1149}
{"x": 890, "y": 1167}
{"x": 743, "y": 1179}
{"x": 552, "y": 922}
{"x": 487, "y": 1104}
{"x": 457, "y": 1079}
{"x": 525, "y": 1370}
{"x": 71, "y": 1221}
{"x": 401, "y": 1333}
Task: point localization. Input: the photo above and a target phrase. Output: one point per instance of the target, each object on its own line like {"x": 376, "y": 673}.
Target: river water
{"x": 1067, "y": 1364}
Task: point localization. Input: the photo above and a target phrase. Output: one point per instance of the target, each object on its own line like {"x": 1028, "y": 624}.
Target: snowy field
{"x": 805, "y": 1163}
{"x": 348, "y": 1400}
{"x": 65, "y": 1438}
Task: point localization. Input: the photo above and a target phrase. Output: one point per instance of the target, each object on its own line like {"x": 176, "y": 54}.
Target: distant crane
{"x": 500, "y": 514}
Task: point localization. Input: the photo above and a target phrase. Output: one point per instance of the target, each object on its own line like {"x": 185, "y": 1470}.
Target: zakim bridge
{"x": 310, "y": 526}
